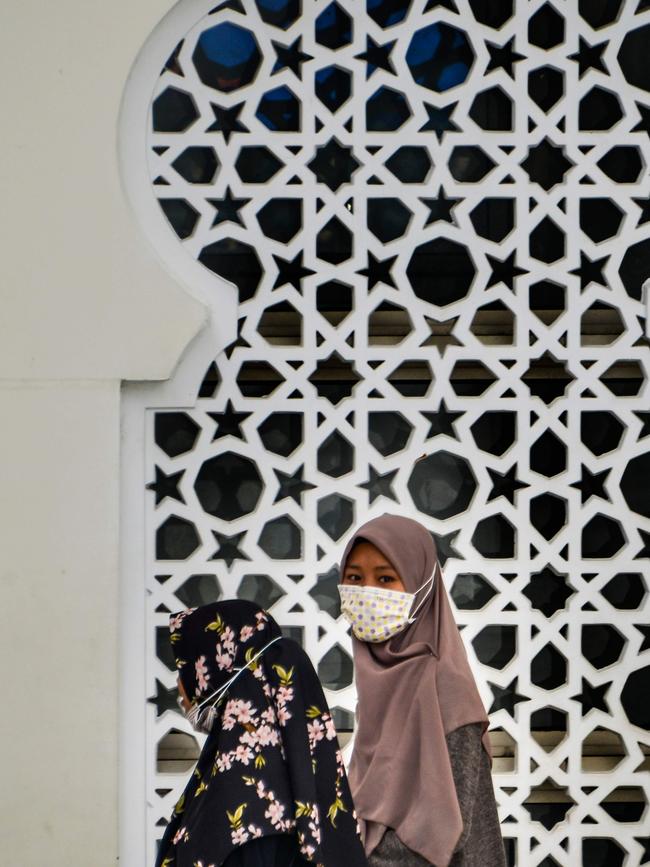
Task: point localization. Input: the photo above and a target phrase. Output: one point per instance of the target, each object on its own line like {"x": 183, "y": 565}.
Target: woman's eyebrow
{"x": 384, "y": 567}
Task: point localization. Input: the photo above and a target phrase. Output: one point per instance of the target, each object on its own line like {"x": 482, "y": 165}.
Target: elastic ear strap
{"x": 230, "y": 682}
{"x": 426, "y": 583}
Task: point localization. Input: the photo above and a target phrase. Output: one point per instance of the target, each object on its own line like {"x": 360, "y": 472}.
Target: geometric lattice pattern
{"x": 436, "y": 216}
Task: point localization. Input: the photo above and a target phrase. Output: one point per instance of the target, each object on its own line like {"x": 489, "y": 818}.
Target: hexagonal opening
{"x": 281, "y": 219}
{"x": 281, "y": 325}
{"x": 494, "y": 324}
{"x": 496, "y": 645}
{"x": 388, "y": 432}
{"x": 495, "y": 538}
{"x": 599, "y": 110}
{"x": 333, "y": 86}
{"x": 281, "y": 539}
{"x": 388, "y": 325}
{"x": 279, "y": 110}
{"x": 602, "y": 750}
{"x": 601, "y": 644}
{"x": 335, "y": 456}
{"x": 548, "y": 668}
{"x": 410, "y": 164}
{"x": 227, "y": 57}
{"x": 335, "y": 669}
{"x": 546, "y": 86}
{"x": 387, "y": 218}
{"x": 548, "y": 727}
{"x": 197, "y": 165}
{"x": 236, "y": 262}
{"x": 471, "y": 591}
{"x": 548, "y": 515}
{"x": 335, "y": 515}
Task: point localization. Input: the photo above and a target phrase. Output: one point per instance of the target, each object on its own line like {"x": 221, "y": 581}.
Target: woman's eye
{"x": 352, "y": 578}
{"x": 386, "y": 579}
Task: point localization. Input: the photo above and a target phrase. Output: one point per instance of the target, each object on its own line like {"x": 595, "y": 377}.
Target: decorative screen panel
{"x": 436, "y": 218}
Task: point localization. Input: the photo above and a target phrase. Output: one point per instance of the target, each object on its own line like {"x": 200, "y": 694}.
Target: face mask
{"x": 376, "y": 614}
{"x": 202, "y": 718}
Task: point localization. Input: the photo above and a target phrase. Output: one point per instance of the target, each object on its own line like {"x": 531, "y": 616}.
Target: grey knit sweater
{"x": 480, "y": 844}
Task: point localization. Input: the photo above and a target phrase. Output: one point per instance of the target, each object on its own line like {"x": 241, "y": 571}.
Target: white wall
{"x": 85, "y": 304}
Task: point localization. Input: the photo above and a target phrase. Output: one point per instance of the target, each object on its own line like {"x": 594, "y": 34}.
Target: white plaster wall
{"x": 85, "y": 304}
{"x": 59, "y": 597}
{"x": 86, "y": 296}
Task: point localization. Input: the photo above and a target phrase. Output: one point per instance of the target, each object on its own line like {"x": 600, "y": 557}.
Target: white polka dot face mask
{"x": 376, "y": 614}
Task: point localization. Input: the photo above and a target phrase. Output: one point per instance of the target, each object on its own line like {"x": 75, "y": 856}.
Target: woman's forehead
{"x": 363, "y": 549}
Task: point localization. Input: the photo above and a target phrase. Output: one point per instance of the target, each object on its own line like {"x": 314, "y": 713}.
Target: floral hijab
{"x": 271, "y": 762}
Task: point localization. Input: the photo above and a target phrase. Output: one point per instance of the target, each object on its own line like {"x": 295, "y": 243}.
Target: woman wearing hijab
{"x": 269, "y": 788}
{"x": 420, "y": 768}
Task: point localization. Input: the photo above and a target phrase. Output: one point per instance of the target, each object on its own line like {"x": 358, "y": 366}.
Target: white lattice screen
{"x": 436, "y": 216}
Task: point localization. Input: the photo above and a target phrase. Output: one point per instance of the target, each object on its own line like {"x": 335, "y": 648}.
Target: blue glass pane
{"x": 279, "y": 110}
{"x": 333, "y": 27}
{"x": 226, "y": 57}
{"x": 439, "y": 57}
{"x": 387, "y": 12}
{"x": 333, "y": 86}
{"x": 279, "y": 13}
{"x": 387, "y": 109}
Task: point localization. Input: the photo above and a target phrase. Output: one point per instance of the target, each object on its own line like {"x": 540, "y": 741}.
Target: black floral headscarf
{"x": 271, "y": 762}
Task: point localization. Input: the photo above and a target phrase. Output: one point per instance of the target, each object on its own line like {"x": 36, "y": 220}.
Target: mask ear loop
{"x": 224, "y": 689}
{"x": 436, "y": 568}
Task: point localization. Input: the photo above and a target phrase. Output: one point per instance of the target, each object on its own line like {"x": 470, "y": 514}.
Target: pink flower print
{"x": 246, "y": 632}
{"x": 176, "y": 622}
{"x": 283, "y": 715}
{"x": 315, "y": 831}
{"x": 269, "y": 715}
{"x": 307, "y": 850}
{"x": 224, "y": 660}
{"x": 228, "y": 639}
{"x": 201, "y": 671}
{"x": 285, "y": 694}
{"x": 178, "y": 835}
{"x": 251, "y": 739}
{"x": 243, "y": 754}
{"x": 261, "y": 619}
{"x": 229, "y": 716}
{"x": 275, "y": 812}
{"x": 254, "y": 831}
{"x": 330, "y": 730}
{"x": 224, "y": 762}
{"x": 245, "y": 712}
{"x": 315, "y": 732}
{"x": 261, "y": 792}
{"x": 239, "y": 836}
{"x": 266, "y": 735}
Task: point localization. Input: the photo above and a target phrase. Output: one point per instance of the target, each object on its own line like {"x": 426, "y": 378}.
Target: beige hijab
{"x": 413, "y": 690}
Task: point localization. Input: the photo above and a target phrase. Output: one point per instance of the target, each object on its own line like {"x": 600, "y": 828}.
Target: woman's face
{"x": 368, "y": 567}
